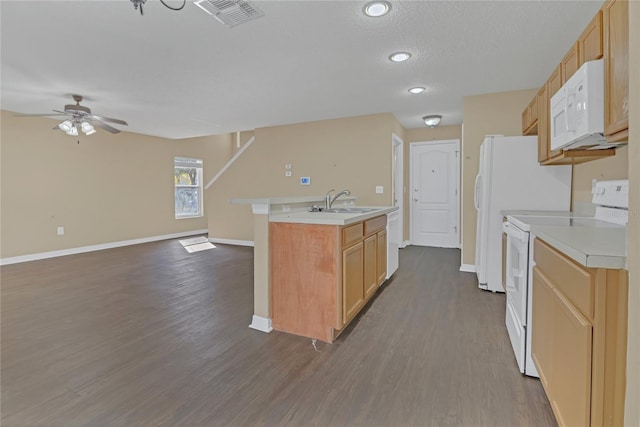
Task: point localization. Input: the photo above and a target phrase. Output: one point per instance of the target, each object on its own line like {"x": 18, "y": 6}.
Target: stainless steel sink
{"x": 349, "y": 210}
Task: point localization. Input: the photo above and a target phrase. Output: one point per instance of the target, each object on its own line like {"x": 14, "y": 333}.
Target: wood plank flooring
{"x": 150, "y": 335}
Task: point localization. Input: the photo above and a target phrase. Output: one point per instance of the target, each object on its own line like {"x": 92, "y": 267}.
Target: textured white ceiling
{"x": 183, "y": 74}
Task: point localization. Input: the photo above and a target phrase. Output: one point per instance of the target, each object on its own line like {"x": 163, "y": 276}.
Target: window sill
{"x": 189, "y": 216}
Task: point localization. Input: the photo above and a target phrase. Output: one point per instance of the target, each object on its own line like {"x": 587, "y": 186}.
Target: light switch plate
{"x": 379, "y": 189}
{"x": 287, "y": 173}
{"x": 287, "y": 166}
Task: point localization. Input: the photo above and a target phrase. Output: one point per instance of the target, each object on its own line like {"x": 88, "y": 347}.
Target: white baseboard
{"x": 231, "y": 241}
{"x": 92, "y": 248}
{"x": 405, "y": 244}
{"x": 468, "y": 268}
{"x": 260, "y": 323}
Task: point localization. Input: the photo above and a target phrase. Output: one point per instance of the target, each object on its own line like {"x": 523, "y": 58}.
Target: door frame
{"x": 397, "y": 180}
{"x": 456, "y": 143}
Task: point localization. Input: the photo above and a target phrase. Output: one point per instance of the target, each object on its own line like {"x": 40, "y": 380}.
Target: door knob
{"x": 415, "y": 200}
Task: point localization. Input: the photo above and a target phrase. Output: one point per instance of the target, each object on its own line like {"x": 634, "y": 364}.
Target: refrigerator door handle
{"x": 476, "y": 198}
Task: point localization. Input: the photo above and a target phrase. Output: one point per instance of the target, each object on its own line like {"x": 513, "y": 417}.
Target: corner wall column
{"x": 261, "y": 320}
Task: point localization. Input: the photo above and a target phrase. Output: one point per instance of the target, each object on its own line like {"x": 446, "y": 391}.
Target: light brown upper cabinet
{"x": 543, "y": 123}
{"x": 607, "y": 35}
{"x": 554, "y": 83}
{"x": 530, "y": 118}
{"x": 570, "y": 62}
{"x": 616, "y": 70}
{"x": 590, "y": 42}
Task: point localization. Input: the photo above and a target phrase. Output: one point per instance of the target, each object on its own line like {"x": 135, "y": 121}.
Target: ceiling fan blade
{"x": 108, "y": 119}
{"x": 37, "y": 115}
{"x": 105, "y": 126}
{"x": 62, "y": 112}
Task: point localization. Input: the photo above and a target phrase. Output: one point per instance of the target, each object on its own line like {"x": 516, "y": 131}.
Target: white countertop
{"x": 331, "y": 218}
{"x": 535, "y": 213}
{"x": 597, "y": 247}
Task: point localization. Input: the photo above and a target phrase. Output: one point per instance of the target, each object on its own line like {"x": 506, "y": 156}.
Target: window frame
{"x": 180, "y": 162}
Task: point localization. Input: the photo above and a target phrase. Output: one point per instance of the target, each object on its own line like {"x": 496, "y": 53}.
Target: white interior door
{"x": 434, "y": 193}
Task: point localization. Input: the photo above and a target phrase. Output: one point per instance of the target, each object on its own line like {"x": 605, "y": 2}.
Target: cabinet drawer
{"x": 375, "y": 224}
{"x": 575, "y": 282}
{"x": 352, "y": 234}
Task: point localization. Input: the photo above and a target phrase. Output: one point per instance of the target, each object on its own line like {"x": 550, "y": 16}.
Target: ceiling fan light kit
{"x": 66, "y": 125}
{"x": 80, "y": 117}
{"x": 87, "y": 128}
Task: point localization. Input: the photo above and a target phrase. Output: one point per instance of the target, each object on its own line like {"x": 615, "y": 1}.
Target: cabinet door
{"x": 370, "y": 273}
{"x": 352, "y": 281}
{"x": 381, "y": 254}
{"x": 590, "y": 42}
{"x": 542, "y": 329}
{"x": 543, "y": 123}
{"x": 570, "y": 62}
{"x": 553, "y": 85}
{"x": 571, "y": 397}
{"x": 530, "y": 117}
{"x": 616, "y": 69}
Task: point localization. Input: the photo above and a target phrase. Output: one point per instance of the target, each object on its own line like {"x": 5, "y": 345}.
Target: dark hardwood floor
{"x": 150, "y": 335}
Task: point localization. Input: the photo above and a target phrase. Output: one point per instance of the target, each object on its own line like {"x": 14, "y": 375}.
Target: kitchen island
{"x": 290, "y": 252}
{"x": 324, "y": 268}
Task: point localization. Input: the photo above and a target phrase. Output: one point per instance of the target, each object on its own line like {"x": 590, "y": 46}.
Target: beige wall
{"x": 351, "y": 153}
{"x": 420, "y": 135}
{"x": 632, "y": 407}
{"x": 492, "y": 114}
{"x": 107, "y": 188}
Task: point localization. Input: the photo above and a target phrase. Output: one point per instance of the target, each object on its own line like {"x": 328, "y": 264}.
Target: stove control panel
{"x": 614, "y": 193}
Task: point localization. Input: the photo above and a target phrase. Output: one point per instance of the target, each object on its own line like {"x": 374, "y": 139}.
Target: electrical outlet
{"x": 287, "y": 173}
{"x": 60, "y": 231}
{"x": 286, "y": 208}
{"x": 287, "y": 166}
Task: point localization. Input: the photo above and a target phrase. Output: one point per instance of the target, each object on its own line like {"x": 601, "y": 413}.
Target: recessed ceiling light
{"x": 417, "y": 89}
{"x": 400, "y": 56}
{"x": 376, "y": 8}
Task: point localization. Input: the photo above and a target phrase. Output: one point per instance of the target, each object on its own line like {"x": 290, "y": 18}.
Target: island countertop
{"x": 331, "y": 218}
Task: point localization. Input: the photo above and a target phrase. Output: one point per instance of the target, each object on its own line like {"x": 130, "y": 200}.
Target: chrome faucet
{"x": 328, "y": 200}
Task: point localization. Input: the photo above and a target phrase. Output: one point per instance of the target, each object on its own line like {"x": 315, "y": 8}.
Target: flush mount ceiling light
{"x": 432, "y": 120}
{"x": 417, "y": 89}
{"x": 399, "y": 56}
{"x": 376, "y": 9}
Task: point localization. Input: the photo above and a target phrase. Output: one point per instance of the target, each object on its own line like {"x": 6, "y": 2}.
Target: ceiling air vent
{"x": 230, "y": 12}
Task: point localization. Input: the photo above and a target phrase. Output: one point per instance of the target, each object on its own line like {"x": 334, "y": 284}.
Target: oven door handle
{"x": 514, "y": 232}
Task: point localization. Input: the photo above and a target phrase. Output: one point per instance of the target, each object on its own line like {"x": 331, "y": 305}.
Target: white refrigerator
{"x": 510, "y": 178}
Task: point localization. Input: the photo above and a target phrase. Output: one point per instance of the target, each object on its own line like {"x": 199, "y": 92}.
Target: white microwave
{"x": 577, "y": 110}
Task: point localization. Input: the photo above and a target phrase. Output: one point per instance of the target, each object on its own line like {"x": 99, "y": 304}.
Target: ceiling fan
{"x": 80, "y": 117}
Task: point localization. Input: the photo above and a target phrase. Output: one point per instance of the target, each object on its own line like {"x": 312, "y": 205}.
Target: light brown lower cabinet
{"x": 323, "y": 275}
{"x": 579, "y": 338}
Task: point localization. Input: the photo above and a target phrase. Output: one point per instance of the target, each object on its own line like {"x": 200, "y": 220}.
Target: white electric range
{"x": 611, "y": 199}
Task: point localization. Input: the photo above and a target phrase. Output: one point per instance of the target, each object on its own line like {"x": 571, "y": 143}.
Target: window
{"x": 187, "y": 175}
